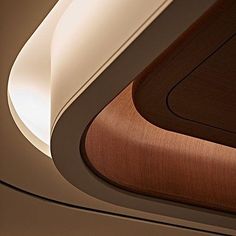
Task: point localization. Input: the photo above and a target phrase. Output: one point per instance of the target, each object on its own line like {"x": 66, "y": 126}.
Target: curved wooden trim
{"x": 128, "y": 151}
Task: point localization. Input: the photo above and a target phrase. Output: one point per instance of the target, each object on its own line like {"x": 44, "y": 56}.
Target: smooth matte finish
{"x": 191, "y": 87}
{"x": 126, "y": 150}
{"x": 22, "y": 215}
{"x": 208, "y": 94}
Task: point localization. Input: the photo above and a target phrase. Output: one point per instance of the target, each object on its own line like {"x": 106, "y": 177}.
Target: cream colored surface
{"x": 75, "y": 41}
{"x": 30, "y": 82}
{"x": 89, "y": 37}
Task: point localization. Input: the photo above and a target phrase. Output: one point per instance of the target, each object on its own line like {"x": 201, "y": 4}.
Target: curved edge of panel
{"x": 26, "y": 131}
{"x": 158, "y": 108}
{"x": 70, "y": 126}
{"x": 131, "y": 153}
{"x": 29, "y": 82}
{"x": 77, "y": 40}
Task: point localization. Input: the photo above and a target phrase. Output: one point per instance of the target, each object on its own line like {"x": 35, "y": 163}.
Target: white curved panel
{"x": 72, "y": 46}
{"x": 30, "y": 82}
{"x": 89, "y": 37}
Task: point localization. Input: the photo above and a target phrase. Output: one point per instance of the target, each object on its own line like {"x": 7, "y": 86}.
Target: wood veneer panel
{"x": 191, "y": 87}
{"x": 208, "y": 94}
{"x": 126, "y": 150}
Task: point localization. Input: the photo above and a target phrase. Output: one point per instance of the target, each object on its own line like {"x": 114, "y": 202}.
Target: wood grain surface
{"x": 125, "y": 149}
{"x": 191, "y": 87}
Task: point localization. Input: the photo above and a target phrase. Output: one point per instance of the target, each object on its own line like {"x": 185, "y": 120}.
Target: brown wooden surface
{"x": 128, "y": 151}
{"x": 191, "y": 87}
{"x": 208, "y": 94}
{"x": 125, "y": 149}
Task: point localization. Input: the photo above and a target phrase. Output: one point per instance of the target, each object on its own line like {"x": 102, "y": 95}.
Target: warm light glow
{"x": 30, "y": 82}
{"x": 75, "y": 43}
{"x": 33, "y": 108}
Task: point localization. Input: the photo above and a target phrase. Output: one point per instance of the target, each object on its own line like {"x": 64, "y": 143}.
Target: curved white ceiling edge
{"x": 89, "y": 37}
{"x": 69, "y": 50}
{"x": 30, "y": 82}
